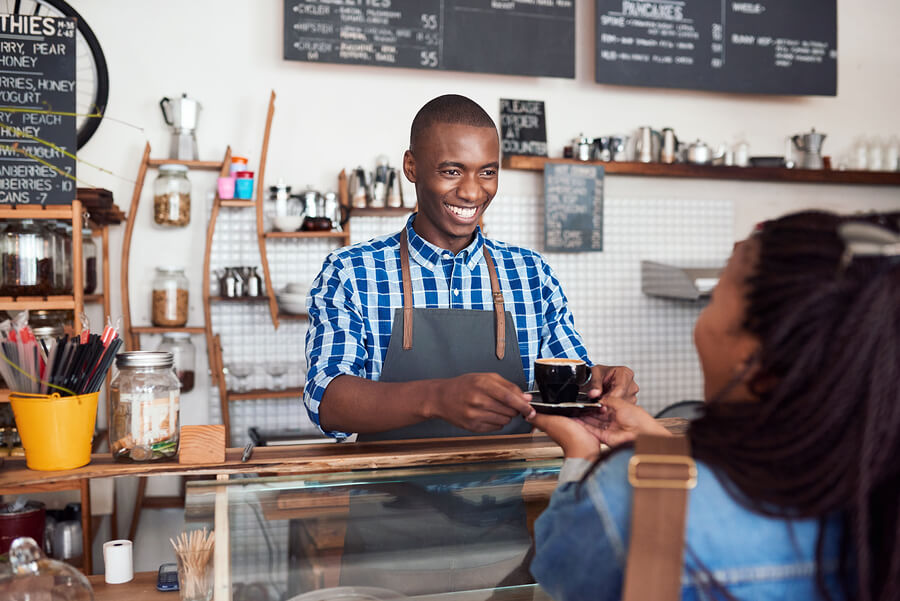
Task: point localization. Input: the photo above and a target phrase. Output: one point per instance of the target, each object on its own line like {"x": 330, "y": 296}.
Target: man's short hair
{"x": 449, "y": 108}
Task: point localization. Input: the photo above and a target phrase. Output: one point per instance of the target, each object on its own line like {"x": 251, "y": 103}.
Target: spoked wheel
{"x": 91, "y": 76}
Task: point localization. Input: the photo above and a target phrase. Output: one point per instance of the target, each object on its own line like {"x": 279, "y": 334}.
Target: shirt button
{"x": 455, "y": 292}
{"x": 448, "y": 256}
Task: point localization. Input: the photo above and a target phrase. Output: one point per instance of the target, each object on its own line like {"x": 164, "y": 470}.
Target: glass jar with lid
{"x": 144, "y": 407}
{"x": 172, "y": 196}
{"x": 30, "y": 575}
{"x": 65, "y": 261}
{"x": 169, "y": 305}
{"x": 27, "y": 262}
{"x": 89, "y": 252}
{"x": 184, "y": 353}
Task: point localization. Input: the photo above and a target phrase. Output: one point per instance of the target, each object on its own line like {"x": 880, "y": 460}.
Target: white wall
{"x": 228, "y": 54}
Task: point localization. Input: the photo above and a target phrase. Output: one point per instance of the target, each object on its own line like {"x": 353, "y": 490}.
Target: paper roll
{"x": 118, "y": 561}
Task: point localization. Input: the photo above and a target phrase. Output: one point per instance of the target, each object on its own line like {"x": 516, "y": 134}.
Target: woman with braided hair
{"x": 798, "y": 447}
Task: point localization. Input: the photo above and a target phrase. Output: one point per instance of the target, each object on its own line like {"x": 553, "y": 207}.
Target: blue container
{"x": 243, "y": 185}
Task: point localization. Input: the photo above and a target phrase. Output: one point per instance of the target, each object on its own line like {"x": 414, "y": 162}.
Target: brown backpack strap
{"x": 661, "y": 473}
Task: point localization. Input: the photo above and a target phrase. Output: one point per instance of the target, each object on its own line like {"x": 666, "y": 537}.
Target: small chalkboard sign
{"x": 37, "y": 110}
{"x": 573, "y": 213}
{"x": 524, "y": 127}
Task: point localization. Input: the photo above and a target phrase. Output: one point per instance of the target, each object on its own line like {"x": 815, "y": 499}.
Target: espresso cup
{"x": 559, "y": 380}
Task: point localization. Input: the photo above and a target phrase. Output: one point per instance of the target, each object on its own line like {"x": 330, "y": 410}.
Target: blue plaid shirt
{"x": 353, "y": 299}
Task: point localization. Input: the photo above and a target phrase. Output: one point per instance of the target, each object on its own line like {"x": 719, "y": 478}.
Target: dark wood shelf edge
{"x": 683, "y": 170}
{"x": 252, "y": 395}
{"x": 293, "y": 316}
{"x": 380, "y": 212}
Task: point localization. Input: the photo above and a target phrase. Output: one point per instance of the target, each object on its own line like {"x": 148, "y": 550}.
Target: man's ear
{"x": 409, "y": 166}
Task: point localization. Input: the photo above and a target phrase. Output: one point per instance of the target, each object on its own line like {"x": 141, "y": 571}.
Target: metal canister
{"x": 583, "y": 148}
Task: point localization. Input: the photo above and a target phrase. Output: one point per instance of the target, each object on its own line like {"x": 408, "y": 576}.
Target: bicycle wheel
{"x": 91, "y": 75}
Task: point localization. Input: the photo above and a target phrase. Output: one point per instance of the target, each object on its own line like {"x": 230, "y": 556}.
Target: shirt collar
{"x": 428, "y": 255}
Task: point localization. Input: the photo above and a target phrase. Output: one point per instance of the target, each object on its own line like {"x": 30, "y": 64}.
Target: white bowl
{"x": 291, "y": 307}
{"x": 292, "y": 298}
{"x": 287, "y": 223}
{"x": 297, "y": 288}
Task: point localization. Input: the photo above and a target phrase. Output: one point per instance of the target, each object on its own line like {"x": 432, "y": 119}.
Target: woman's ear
{"x": 409, "y": 166}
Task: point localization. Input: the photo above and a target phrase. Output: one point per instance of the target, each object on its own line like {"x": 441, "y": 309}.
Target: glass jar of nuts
{"x": 169, "y": 305}
{"x": 172, "y": 196}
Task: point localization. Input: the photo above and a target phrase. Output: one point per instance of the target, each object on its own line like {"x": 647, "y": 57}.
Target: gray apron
{"x": 437, "y": 533}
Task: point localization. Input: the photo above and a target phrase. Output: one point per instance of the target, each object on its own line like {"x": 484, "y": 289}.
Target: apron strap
{"x": 661, "y": 472}
{"x": 499, "y": 310}
{"x": 407, "y": 292}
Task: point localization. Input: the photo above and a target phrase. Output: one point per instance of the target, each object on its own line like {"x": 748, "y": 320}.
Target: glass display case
{"x": 442, "y": 532}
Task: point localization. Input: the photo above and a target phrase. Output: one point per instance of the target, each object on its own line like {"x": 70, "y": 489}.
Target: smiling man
{"x": 433, "y": 331}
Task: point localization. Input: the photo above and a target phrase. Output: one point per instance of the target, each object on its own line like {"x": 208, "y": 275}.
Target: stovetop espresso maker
{"x": 181, "y": 114}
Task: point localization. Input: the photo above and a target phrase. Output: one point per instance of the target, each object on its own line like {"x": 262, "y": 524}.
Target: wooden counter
{"x": 15, "y": 478}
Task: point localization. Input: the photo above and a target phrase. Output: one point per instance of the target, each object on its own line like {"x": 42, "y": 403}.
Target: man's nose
{"x": 470, "y": 189}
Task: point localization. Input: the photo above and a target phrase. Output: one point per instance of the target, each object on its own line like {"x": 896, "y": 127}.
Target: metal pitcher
{"x": 358, "y": 187}
{"x": 618, "y": 147}
{"x": 647, "y": 145}
{"x": 669, "y": 152}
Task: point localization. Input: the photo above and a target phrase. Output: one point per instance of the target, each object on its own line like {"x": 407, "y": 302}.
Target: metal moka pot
{"x": 811, "y": 146}
{"x": 182, "y": 114}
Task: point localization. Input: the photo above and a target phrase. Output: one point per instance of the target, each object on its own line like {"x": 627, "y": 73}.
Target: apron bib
{"x": 432, "y": 537}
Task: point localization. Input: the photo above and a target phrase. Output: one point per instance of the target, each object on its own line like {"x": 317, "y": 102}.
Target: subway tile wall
{"x": 620, "y": 325}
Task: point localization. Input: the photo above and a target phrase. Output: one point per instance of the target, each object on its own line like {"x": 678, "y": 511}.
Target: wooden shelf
{"x": 381, "y": 212}
{"x": 20, "y": 303}
{"x": 237, "y": 203}
{"x": 210, "y": 165}
{"x": 63, "y": 212}
{"x": 159, "y": 330}
{"x": 93, "y": 298}
{"x": 328, "y": 234}
{"x": 239, "y": 299}
{"x": 4, "y": 395}
{"x": 263, "y": 393}
{"x": 684, "y": 170}
{"x": 293, "y": 316}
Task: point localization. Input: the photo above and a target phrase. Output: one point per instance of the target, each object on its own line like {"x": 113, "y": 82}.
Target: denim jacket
{"x": 582, "y": 539}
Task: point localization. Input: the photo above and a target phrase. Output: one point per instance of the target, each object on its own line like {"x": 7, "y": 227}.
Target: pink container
{"x": 226, "y": 188}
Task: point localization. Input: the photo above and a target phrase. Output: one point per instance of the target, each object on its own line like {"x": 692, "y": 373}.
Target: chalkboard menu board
{"x": 37, "y": 105}
{"x": 510, "y": 37}
{"x": 523, "y": 127}
{"x": 764, "y": 46}
{"x": 573, "y": 213}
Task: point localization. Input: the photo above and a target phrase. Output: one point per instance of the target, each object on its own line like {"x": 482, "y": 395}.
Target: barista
{"x": 453, "y": 362}
{"x": 433, "y": 332}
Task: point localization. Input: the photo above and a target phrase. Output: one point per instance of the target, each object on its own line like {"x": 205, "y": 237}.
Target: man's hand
{"x": 617, "y": 381}
{"x": 482, "y": 402}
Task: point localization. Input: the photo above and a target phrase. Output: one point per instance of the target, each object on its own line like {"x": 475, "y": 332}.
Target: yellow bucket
{"x": 56, "y": 431}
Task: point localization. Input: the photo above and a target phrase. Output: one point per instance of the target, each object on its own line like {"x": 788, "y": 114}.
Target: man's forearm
{"x": 352, "y": 404}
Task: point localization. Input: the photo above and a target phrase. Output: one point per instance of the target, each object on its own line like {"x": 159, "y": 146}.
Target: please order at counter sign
{"x": 37, "y": 110}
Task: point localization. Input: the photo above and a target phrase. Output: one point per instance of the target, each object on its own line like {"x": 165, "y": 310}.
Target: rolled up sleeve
{"x": 335, "y": 338}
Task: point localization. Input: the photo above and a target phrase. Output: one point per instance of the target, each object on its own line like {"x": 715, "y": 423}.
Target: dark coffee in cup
{"x": 559, "y": 380}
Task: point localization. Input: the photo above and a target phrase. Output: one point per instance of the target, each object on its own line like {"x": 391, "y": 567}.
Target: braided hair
{"x": 823, "y": 436}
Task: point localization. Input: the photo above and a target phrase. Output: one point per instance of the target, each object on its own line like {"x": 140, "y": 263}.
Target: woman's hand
{"x": 618, "y": 421}
{"x": 572, "y": 435}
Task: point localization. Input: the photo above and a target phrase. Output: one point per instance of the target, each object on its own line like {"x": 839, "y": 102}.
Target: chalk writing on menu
{"x": 523, "y": 127}
{"x": 37, "y": 105}
{"x": 764, "y": 46}
{"x": 573, "y": 213}
{"x": 513, "y": 37}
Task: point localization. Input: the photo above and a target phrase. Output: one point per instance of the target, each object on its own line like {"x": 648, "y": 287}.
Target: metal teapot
{"x": 810, "y": 145}
{"x": 698, "y": 153}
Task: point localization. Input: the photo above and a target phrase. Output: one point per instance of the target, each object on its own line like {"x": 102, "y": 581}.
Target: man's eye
{"x": 489, "y": 172}
{"x": 450, "y": 171}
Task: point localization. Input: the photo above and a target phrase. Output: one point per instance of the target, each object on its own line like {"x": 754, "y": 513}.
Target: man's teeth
{"x": 464, "y": 213}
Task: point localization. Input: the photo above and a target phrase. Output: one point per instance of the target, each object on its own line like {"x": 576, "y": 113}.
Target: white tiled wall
{"x": 619, "y": 324}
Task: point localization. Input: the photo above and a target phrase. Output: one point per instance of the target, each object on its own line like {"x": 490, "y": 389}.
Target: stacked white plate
{"x": 293, "y": 298}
